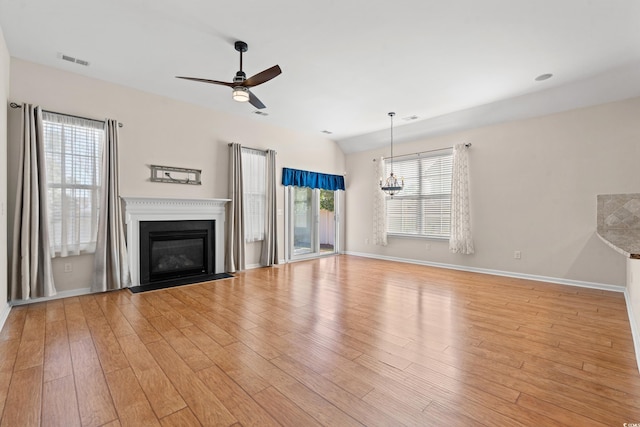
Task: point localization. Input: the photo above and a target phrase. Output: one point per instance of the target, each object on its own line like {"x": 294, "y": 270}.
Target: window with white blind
{"x": 73, "y": 161}
{"x": 423, "y": 207}
{"x": 254, "y": 184}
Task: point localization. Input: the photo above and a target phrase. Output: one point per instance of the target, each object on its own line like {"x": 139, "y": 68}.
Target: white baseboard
{"x": 252, "y": 266}
{"x": 4, "y": 314}
{"x": 568, "y": 282}
{"x": 61, "y": 294}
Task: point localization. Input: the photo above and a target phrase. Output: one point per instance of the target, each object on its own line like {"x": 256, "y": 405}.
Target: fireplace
{"x": 173, "y": 252}
{"x": 149, "y": 214}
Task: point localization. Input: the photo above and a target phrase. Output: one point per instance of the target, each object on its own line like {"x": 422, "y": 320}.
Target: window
{"x": 423, "y": 207}
{"x": 254, "y": 177}
{"x": 73, "y": 162}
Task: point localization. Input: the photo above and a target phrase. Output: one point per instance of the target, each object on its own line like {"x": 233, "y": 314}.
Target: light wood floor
{"x": 339, "y": 341}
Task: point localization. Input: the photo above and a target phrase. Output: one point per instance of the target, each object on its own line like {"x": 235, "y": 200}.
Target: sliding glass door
{"x": 312, "y": 222}
{"x": 303, "y": 217}
{"x": 327, "y": 222}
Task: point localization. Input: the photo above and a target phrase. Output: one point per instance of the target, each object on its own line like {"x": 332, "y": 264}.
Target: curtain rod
{"x": 14, "y": 105}
{"x": 468, "y": 144}
{"x": 254, "y": 149}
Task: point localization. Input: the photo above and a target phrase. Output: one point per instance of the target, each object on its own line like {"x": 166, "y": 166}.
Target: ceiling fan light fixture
{"x": 240, "y": 94}
{"x": 241, "y": 83}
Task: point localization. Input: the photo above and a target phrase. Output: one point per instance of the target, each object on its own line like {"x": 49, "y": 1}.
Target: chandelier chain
{"x": 391, "y": 114}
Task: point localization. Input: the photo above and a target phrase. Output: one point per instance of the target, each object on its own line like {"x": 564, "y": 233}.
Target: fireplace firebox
{"x": 177, "y": 252}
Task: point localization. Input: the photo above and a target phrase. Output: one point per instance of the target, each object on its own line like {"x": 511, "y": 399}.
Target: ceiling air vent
{"x": 72, "y": 59}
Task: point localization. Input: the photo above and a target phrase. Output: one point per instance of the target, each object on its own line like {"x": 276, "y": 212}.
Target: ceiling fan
{"x": 241, "y": 83}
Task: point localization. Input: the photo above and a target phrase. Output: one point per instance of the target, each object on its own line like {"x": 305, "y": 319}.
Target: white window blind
{"x": 73, "y": 161}
{"x": 254, "y": 178}
{"x": 423, "y": 207}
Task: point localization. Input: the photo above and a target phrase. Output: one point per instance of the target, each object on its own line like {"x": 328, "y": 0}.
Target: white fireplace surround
{"x": 164, "y": 209}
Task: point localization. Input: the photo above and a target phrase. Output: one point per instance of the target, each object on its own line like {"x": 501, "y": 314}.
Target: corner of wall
{"x": 5, "y": 58}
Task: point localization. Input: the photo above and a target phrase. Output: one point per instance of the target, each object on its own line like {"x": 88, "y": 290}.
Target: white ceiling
{"x": 455, "y": 64}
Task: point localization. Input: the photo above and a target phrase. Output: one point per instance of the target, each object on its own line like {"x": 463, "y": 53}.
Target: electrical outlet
{"x": 68, "y": 267}
{"x": 517, "y": 254}
{"x": 366, "y": 241}
{"x": 427, "y": 246}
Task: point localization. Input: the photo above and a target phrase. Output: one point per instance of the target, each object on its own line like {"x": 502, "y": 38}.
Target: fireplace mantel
{"x": 165, "y": 209}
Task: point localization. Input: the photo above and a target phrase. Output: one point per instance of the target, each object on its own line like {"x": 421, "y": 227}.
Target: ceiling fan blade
{"x": 263, "y": 76}
{"x": 255, "y": 101}
{"x": 215, "y": 82}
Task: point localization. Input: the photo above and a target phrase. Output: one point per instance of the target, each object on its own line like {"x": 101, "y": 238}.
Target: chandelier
{"x": 391, "y": 185}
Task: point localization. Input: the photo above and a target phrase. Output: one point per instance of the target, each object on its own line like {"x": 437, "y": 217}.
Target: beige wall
{"x": 4, "y": 95}
{"x": 534, "y": 185}
{"x": 162, "y": 131}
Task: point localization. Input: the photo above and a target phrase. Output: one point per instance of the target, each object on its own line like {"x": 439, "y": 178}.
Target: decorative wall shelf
{"x": 174, "y": 175}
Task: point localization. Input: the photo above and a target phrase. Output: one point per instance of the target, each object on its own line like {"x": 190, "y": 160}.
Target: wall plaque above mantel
{"x": 175, "y": 175}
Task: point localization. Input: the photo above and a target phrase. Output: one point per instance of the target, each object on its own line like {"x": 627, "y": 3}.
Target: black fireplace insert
{"x": 177, "y": 252}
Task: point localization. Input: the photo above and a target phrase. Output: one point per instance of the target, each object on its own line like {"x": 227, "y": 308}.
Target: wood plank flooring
{"x": 339, "y": 341}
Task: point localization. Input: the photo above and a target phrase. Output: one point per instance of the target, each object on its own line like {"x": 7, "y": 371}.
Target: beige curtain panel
{"x": 269, "y": 254}
{"x": 31, "y": 274}
{"x": 235, "y": 212}
{"x": 111, "y": 263}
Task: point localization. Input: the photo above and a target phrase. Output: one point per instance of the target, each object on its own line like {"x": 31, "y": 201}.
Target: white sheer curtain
{"x": 379, "y": 205}
{"x": 111, "y": 265}
{"x": 31, "y": 274}
{"x": 73, "y": 150}
{"x": 235, "y": 259}
{"x": 254, "y": 176}
{"x": 461, "y": 240}
{"x": 269, "y": 254}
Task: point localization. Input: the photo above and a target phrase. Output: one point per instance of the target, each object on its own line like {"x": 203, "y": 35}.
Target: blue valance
{"x": 323, "y": 181}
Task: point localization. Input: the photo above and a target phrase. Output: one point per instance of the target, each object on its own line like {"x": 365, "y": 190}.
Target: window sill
{"x": 57, "y": 255}
{"x": 418, "y": 236}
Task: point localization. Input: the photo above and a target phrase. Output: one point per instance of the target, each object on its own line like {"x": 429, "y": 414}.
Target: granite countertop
{"x": 626, "y": 242}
